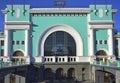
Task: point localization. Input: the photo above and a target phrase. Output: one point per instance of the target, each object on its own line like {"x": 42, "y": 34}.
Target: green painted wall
{"x": 41, "y": 23}
{"x": 23, "y": 16}
{"x": 101, "y": 35}
{"x": 106, "y": 16}
{"x": 18, "y": 35}
{"x": 118, "y": 33}
{"x": 1, "y": 33}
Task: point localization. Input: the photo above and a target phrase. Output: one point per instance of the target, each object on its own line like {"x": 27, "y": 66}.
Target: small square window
{"x": 13, "y": 42}
{"x": 2, "y": 52}
{"x": 100, "y": 41}
{"x": 105, "y": 41}
{"x": 17, "y": 42}
{"x": 2, "y": 42}
{"x": 23, "y": 42}
{"x": 96, "y": 42}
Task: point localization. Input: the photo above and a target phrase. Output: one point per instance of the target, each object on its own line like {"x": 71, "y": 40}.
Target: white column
{"x": 118, "y": 46}
{"x": 91, "y": 42}
{"x": 6, "y": 43}
{"x": 26, "y": 43}
{"x": 110, "y": 42}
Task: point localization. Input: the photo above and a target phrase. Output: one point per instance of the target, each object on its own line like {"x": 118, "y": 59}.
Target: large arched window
{"x": 59, "y": 43}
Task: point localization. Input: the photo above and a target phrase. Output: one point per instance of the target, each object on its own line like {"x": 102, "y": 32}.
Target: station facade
{"x": 69, "y": 37}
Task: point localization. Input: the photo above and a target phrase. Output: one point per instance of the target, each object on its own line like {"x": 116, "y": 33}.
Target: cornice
{"x": 17, "y": 23}
{"x": 114, "y": 10}
{"x": 101, "y": 22}
{"x": 117, "y": 36}
{"x": 59, "y": 10}
{"x": 2, "y": 36}
{"x": 4, "y": 11}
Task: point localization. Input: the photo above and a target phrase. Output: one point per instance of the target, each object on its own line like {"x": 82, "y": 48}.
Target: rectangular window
{"x": 2, "y": 52}
{"x": 13, "y": 42}
{"x": 100, "y": 41}
{"x": 22, "y": 42}
{"x": 105, "y": 41}
{"x": 17, "y": 42}
{"x": 96, "y": 42}
{"x": 2, "y": 42}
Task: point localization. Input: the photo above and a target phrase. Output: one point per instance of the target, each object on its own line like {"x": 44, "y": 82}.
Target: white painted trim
{"x": 17, "y": 22}
{"x": 2, "y": 38}
{"x": 62, "y": 27}
{"x": 117, "y": 36}
{"x": 101, "y": 27}
{"x": 118, "y": 39}
{"x": 6, "y": 43}
{"x": 6, "y": 39}
{"x": 103, "y": 50}
{"x": 90, "y": 39}
{"x": 101, "y": 22}
{"x": 18, "y": 50}
{"x": 118, "y": 46}
{"x": 8, "y": 27}
{"x": 91, "y": 42}
{"x": 110, "y": 42}
{"x": 26, "y": 42}
{"x": 56, "y": 10}
{"x": 59, "y": 10}
{"x": 17, "y": 13}
{"x": 114, "y": 10}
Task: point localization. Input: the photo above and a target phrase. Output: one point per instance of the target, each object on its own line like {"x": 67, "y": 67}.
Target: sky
{"x": 69, "y": 3}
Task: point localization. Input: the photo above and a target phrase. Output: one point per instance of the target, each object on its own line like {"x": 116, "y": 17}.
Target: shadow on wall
{"x": 105, "y": 76}
{"x": 40, "y": 74}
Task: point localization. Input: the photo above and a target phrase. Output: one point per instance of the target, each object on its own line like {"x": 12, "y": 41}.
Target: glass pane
{"x": 60, "y": 44}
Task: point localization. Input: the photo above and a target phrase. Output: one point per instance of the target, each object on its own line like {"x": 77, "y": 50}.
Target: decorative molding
{"x": 61, "y": 27}
{"x": 25, "y": 27}
{"x": 59, "y": 10}
{"x": 101, "y": 27}
{"x": 100, "y": 13}
{"x": 2, "y": 36}
{"x": 101, "y": 22}
{"x": 17, "y": 23}
{"x": 63, "y": 10}
{"x": 117, "y": 36}
{"x": 114, "y": 10}
{"x": 4, "y": 11}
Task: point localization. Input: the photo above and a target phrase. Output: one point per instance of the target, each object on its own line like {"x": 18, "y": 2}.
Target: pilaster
{"x": 91, "y": 42}
{"x": 26, "y": 42}
{"x": 110, "y": 42}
